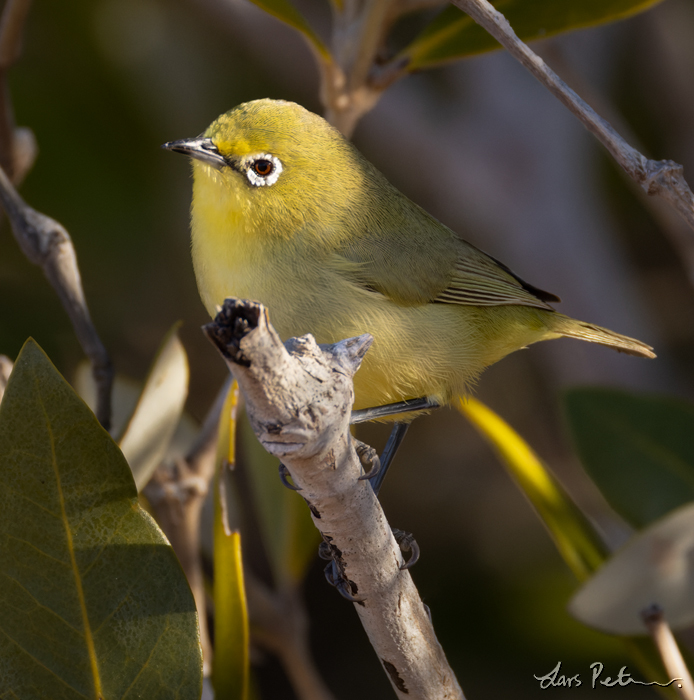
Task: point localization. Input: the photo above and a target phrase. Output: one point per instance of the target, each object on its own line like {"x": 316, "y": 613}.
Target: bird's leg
{"x": 397, "y": 435}
{"x": 375, "y": 468}
{"x": 379, "y": 468}
{"x": 367, "y": 454}
{"x": 392, "y": 409}
{"x": 377, "y": 473}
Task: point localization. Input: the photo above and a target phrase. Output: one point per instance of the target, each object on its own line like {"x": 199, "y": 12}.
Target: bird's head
{"x": 276, "y": 167}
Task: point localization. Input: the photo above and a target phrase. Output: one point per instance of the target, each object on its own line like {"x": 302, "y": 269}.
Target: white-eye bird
{"x": 287, "y": 212}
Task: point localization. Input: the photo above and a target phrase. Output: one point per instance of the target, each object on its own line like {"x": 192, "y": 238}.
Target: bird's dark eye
{"x": 263, "y": 167}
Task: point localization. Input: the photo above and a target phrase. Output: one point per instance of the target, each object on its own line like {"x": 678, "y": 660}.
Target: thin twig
{"x": 661, "y": 177}
{"x": 669, "y": 651}
{"x": 15, "y": 164}
{"x": 665, "y": 216}
{"x": 176, "y": 494}
{"x": 46, "y": 243}
{"x": 298, "y": 403}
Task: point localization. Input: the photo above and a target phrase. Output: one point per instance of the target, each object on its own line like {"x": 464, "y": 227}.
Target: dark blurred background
{"x": 484, "y": 148}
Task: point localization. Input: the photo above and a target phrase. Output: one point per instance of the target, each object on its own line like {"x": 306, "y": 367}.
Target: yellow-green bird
{"x": 287, "y": 212}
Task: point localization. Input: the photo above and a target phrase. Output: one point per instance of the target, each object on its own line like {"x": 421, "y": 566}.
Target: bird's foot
{"x": 335, "y": 574}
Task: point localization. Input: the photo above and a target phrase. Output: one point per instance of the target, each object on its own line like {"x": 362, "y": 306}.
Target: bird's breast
{"x": 228, "y": 253}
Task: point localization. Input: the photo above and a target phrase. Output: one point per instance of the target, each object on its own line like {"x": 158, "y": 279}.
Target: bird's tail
{"x": 571, "y": 328}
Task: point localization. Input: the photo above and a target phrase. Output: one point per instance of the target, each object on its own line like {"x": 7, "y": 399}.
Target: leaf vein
{"x": 40, "y": 605}
{"x": 73, "y": 560}
{"x": 40, "y": 663}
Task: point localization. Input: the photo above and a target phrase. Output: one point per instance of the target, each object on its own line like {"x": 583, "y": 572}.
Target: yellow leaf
{"x": 575, "y": 538}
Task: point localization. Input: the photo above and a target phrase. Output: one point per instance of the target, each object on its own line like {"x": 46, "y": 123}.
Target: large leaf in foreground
{"x": 639, "y": 450}
{"x": 93, "y": 603}
{"x": 453, "y": 35}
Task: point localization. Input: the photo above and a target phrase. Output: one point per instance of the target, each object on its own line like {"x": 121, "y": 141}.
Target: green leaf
{"x": 284, "y": 11}
{"x": 575, "y": 538}
{"x": 289, "y": 535}
{"x": 656, "y": 567}
{"x": 453, "y": 34}
{"x": 148, "y": 434}
{"x": 93, "y": 602}
{"x": 639, "y": 450}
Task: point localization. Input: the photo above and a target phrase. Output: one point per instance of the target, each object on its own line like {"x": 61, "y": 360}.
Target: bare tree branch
{"x": 661, "y": 177}
{"x": 665, "y": 216}
{"x": 17, "y": 150}
{"x": 46, "y": 243}
{"x": 299, "y": 406}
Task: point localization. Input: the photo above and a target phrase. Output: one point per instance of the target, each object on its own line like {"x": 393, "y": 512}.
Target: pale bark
{"x": 298, "y": 401}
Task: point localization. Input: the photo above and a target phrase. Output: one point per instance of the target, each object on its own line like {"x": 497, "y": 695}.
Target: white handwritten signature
{"x": 556, "y": 679}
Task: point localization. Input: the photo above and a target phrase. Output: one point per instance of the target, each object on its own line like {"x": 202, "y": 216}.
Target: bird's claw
{"x": 284, "y": 473}
{"x": 324, "y": 551}
{"x": 335, "y": 579}
{"x": 369, "y": 460}
{"x": 407, "y": 543}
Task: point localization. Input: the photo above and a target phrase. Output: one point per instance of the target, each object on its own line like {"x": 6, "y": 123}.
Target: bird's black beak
{"x": 200, "y": 148}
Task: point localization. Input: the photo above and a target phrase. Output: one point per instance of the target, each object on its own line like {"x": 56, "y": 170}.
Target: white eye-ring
{"x": 263, "y": 169}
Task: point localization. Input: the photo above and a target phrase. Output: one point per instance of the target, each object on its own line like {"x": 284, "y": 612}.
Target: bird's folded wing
{"x": 480, "y": 280}
{"x": 415, "y": 271}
